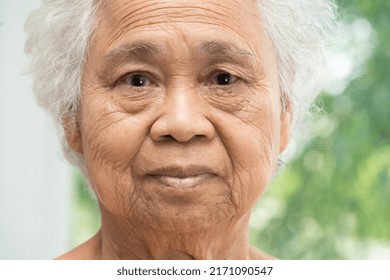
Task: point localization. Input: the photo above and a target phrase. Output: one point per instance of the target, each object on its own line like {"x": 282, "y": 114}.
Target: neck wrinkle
{"x": 226, "y": 240}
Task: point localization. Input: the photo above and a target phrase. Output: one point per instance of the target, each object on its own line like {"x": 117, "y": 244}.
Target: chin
{"x": 173, "y": 219}
{"x": 183, "y": 210}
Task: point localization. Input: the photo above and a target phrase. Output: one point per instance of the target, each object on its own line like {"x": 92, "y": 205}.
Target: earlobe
{"x": 72, "y": 134}
{"x": 285, "y": 128}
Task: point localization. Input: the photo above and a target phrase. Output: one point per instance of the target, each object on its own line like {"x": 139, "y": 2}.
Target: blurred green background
{"x": 332, "y": 200}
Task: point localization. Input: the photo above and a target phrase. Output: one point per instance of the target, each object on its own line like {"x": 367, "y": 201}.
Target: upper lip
{"x": 180, "y": 171}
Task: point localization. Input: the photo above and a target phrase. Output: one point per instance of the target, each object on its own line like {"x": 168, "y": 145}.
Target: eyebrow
{"x": 218, "y": 48}
{"x": 136, "y": 51}
{"x": 223, "y": 52}
{"x": 217, "y": 51}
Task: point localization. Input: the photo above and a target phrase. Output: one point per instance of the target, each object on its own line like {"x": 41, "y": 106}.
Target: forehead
{"x": 138, "y": 12}
{"x": 229, "y": 20}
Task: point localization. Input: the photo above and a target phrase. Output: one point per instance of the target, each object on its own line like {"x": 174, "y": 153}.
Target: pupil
{"x": 223, "y": 79}
{"x": 138, "y": 81}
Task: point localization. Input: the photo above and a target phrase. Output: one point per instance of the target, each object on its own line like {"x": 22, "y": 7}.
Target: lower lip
{"x": 183, "y": 183}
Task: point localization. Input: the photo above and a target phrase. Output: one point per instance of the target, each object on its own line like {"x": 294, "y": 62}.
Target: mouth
{"x": 182, "y": 177}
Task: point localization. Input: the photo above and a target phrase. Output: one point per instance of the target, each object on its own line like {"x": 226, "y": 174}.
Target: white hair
{"x": 59, "y": 33}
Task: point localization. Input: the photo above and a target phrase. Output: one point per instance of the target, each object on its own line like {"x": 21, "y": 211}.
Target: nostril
{"x": 167, "y": 137}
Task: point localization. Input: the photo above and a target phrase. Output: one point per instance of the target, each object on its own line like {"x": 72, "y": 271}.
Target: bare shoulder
{"x": 256, "y": 254}
{"x": 89, "y": 250}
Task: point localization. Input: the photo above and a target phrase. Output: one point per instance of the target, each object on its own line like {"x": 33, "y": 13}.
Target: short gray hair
{"x": 59, "y": 33}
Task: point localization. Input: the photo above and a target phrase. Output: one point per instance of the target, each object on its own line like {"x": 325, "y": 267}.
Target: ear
{"x": 285, "y": 128}
{"x": 72, "y": 133}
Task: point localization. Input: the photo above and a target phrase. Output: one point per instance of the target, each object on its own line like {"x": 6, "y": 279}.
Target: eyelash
{"x": 212, "y": 79}
{"x": 146, "y": 76}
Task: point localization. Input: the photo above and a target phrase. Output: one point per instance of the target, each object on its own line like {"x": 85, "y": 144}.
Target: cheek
{"x": 251, "y": 139}
{"x": 111, "y": 140}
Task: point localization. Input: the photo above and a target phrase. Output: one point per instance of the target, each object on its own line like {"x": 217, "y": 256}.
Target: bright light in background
{"x": 340, "y": 67}
{"x": 362, "y": 30}
{"x": 346, "y": 61}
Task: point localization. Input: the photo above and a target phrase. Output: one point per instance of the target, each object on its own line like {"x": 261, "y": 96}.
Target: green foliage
{"x": 336, "y": 193}
{"x": 85, "y": 212}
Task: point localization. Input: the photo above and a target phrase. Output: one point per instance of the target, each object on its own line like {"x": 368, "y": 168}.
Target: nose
{"x": 182, "y": 118}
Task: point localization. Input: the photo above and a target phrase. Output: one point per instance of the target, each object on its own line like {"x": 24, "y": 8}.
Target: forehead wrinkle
{"x": 139, "y": 14}
{"x": 149, "y": 12}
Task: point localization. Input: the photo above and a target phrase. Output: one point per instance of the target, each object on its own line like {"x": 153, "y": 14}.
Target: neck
{"x": 123, "y": 239}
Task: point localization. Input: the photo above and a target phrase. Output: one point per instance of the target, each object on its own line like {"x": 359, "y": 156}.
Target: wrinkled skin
{"x": 180, "y": 126}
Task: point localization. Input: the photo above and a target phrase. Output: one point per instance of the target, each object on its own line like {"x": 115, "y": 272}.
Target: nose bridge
{"x": 182, "y": 116}
{"x": 181, "y": 104}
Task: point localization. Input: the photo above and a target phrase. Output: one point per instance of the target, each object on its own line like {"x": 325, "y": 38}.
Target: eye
{"x": 224, "y": 78}
{"x": 136, "y": 80}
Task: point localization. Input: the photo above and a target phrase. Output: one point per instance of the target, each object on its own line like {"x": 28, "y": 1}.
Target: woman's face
{"x": 181, "y": 122}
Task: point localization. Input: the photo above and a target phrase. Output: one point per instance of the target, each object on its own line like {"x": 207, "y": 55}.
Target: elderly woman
{"x": 176, "y": 112}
